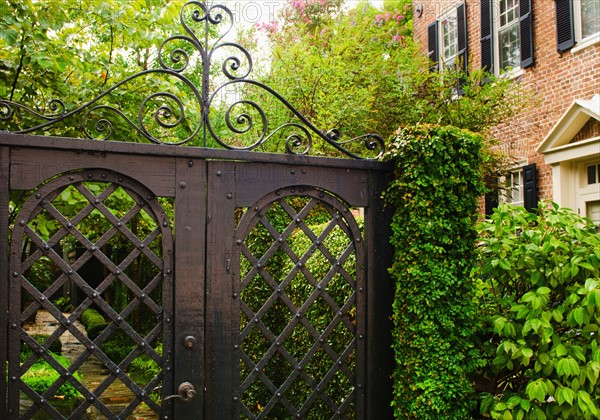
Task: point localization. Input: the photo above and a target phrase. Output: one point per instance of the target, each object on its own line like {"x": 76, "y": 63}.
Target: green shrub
{"x": 117, "y": 346}
{"x": 40, "y": 376}
{"x": 540, "y": 303}
{"x": 63, "y": 304}
{"x": 145, "y": 367}
{"x": 93, "y": 322}
{"x": 434, "y": 195}
{"x": 55, "y": 347}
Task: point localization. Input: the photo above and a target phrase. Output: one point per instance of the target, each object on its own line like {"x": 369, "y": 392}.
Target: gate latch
{"x": 185, "y": 392}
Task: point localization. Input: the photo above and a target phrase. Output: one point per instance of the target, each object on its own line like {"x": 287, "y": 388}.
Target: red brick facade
{"x": 555, "y": 79}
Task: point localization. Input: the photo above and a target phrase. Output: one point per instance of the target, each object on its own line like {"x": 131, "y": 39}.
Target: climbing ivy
{"x": 435, "y": 200}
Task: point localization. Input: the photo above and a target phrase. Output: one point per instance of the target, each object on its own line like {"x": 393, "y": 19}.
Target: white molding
{"x": 586, "y": 43}
{"x": 570, "y": 123}
{"x": 573, "y": 151}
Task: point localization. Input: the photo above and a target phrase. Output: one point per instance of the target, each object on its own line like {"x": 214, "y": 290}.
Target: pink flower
{"x": 270, "y": 27}
{"x": 397, "y": 37}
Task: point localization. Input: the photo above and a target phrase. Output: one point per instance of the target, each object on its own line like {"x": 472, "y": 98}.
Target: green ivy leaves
{"x": 434, "y": 194}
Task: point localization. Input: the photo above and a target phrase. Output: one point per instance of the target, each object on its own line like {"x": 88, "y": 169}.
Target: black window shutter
{"x": 462, "y": 37}
{"x": 526, "y": 22}
{"x": 530, "y": 195}
{"x": 565, "y": 30}
{"x": 491, "y": 198}
{"x": 432, "y": 45}
{"x": 487, "y": 50}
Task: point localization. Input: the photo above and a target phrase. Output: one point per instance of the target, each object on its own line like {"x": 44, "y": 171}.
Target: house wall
{"x": 555, "y": 80}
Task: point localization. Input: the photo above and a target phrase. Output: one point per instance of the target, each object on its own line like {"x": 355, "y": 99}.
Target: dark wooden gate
{"x": 255, "y": 285}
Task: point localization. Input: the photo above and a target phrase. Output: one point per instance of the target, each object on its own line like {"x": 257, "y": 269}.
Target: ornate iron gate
{"x": 250, "y": 285}
{"x": 190, "y": 283}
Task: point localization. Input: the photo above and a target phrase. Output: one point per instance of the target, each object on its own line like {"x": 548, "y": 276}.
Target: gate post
{"x": 4, "y": 152}
{"x": 380, "y": 297}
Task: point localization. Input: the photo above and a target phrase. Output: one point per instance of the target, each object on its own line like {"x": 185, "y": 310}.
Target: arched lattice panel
{"x": 91, "y": 253}
{"x": 301, "y": 296}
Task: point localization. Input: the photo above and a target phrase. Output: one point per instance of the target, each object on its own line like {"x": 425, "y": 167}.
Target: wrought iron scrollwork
{"x": 180, "y": 112}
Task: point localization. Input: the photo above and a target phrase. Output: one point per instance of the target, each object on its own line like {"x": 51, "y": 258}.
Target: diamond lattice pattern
{"x": 298, "y": 310}
{"x": 101, "y": 241}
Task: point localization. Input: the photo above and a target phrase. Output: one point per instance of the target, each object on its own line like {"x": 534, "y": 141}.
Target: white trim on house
{"x": 571, "y": 123}
{"x": 569, "y": 160}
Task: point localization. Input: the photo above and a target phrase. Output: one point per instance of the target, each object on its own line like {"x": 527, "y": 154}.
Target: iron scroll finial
{"x": 183, "y": 108}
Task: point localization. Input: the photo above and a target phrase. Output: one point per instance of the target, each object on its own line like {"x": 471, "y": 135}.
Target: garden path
{"x": 116, "y": 397}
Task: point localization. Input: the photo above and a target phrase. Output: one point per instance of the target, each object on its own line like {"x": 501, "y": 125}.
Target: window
{"x": 508, "y": 45}
{"x": 513, "y": 192}
{"x": 577, "y": 22}
{"x": 593, "y": 211}
{"x": 593, "y": 174}
{"x": 506, "y": 35}
{"x": 518, "y": 187}
{"x": 587, "y": 13}
{"x": 447, "y": 39}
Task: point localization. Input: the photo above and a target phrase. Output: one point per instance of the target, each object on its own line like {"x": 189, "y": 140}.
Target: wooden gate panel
{"x": 221, "y": 326}
{"x": 30, "y": 167}
{"x": 4, "y": 227}
{"x": 208, "y": 271}
{"x": 190, "y": 216}
{"x": 48, "y": 232}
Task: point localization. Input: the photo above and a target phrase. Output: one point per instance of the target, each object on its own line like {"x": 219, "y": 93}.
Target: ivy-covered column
{"x": 435, "y": 198}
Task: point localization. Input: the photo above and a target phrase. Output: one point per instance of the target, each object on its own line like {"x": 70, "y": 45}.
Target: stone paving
{"x": 117, "y": 396}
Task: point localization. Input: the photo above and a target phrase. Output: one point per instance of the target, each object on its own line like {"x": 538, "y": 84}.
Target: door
{"x": 288, "y": 330}
{"x": 169, "y": 285}
{"x": 105, "y": 293}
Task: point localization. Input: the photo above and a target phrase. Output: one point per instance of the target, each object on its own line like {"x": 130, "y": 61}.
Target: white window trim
{"x": 514, "y": 71}
{"x": 448, "y": 14}
{"x": 503, "y": 196}
{"x": 580, "y": 42}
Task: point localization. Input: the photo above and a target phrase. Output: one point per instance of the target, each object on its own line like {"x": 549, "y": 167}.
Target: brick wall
{"x": 555, "y": 80}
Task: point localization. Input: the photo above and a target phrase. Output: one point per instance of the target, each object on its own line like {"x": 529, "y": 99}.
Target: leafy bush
{"x": 144, "y": 366}
{"x": 55, "y": 347}
{"x": 540, "y": 293}
{"x": 63, "y": 304}
{"x": 117, "y": 346}
{"x": 40, "y": 376}
{"x": 93, "y": 322}
{"x": 435, "y": 197}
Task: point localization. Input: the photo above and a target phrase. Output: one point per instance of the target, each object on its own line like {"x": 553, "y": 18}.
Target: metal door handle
{"x": 185, "y": 392}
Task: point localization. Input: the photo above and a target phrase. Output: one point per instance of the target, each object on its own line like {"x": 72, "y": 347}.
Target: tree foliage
{"x": 539, "y": 289}
{"x": 74, "y": 50}
{"x": 358, "y": 70}
{"x": 353, "y": 69}
{"x": 57, "y": 56}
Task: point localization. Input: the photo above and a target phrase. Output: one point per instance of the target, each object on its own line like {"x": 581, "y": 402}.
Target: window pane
{"x": 449, "y": 39}
{"x": 593, "y": 211}
{"x": 590, "y": 17}
{"x": 510, "y": 48}
{"x": 591, "y": 174}
{"x": 517, "y": 190}
{"x": 509, "y": 44}
{"x": 514, "y": 189}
